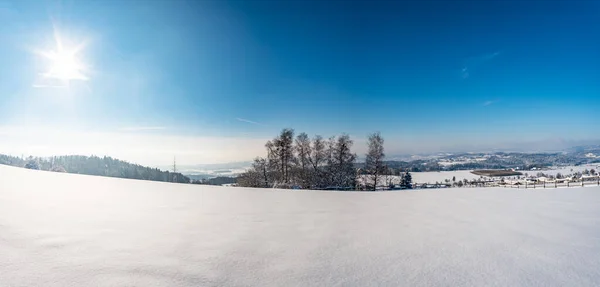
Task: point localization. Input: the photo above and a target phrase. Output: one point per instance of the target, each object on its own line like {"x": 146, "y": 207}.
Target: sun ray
{"x": 64, "y": 63}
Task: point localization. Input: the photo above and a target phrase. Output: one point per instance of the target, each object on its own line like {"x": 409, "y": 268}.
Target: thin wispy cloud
{"x": 139, "y": 129}
{"x": 40, "y": 86}
{"x": 489, "y": 103}
{"x": 42, "y": 81}
{"x": 249, "y": 121}
{"x": 473, "y": 63}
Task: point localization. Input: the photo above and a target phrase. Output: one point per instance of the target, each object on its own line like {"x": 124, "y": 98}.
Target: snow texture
{"x": 73, "y": 230}
{"x": 425, "y": 177}
{"x": 440, "y": 176}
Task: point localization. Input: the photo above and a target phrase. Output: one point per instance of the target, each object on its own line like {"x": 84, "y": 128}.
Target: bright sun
{"x": 65, "y": 66}
{"x": 63, "y": 63}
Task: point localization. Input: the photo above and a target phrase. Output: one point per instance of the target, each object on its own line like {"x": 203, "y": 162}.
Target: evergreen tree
{"x": 32, "y": 164}
{"x": 406, "y": 181}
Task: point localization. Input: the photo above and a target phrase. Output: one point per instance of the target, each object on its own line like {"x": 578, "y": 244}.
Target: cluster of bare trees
{"x": 316, "y": 163}
{"x": 302, "y": 162}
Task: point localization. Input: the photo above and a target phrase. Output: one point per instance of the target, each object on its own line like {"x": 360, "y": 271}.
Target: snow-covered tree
{"x": 330, "y": 170}
{"x": 342, "y": 160}
{"x": 374, "y": 158}
{"x": 259, "y": 175}
{"x": 406, "y": 181}
{"x": 280, "y": 153}
{"x": 317, "y": 159}
{"x": 32, "y": 164}
{"x": 302, "y": 150}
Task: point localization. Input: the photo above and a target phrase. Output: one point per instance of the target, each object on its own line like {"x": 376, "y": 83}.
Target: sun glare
{"x": 62, "y": 63}
{"x": 65, "y": 66}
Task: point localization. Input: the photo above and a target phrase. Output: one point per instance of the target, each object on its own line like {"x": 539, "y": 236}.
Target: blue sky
{"x": 430, "y": 75}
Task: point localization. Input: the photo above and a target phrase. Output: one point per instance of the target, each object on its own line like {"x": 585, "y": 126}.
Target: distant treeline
{"x": 495, "y": 172}
{"x": 219, "y": 180}
{"x": 94, "y": 165}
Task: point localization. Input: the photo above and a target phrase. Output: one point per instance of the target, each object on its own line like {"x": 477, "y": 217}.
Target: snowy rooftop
{"x": 72, "y": 230}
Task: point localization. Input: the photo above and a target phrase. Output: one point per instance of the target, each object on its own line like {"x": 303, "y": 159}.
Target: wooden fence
{"x": 553, "y": 184}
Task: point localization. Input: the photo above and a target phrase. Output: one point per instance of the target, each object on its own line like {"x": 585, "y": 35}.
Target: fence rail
{"x": 553, "y": 185}
{"x": 509, "y": 185}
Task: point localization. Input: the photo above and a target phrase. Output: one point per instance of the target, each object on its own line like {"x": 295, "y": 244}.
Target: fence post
{"x": 544, "y": 184}
{"x": 555, "y": 184}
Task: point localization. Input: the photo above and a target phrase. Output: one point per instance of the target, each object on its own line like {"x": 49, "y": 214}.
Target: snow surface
{"x": 426, "y": 177}
{"x": 440, "y": 176}
{"x": 73, "y": 230}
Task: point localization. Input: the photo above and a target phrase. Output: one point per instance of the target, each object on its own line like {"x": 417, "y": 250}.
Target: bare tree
{"x": 257, "y": 176}
{"x": 389, "y": 178}
{"x": 303, "y": 152}
{"x": 374, "y": 158}
{"x": 273, "y": 161}
{"x": 343, "y": 162}
{"x": 330, "y": 178}
{"x": 281, "y": 154}
{"x": 317, "y": 158}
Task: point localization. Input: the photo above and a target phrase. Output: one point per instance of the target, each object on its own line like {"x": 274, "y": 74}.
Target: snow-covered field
{"x": 426, "y": 177}
{"x": 435, "y": 176}
{"x": 73, "y": 230}
{"x": 432, "y": 177}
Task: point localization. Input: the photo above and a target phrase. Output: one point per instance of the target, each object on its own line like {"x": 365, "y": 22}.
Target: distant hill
{"x": 194, "y": 177}
{"x": 498, "y": 160}
{"x": 220, "y": 180}
{"x": 203, "y": 171}
{"x": 94, "y": 165}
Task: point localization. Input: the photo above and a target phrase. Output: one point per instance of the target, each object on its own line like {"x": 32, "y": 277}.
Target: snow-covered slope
{"x": 71, "y": 230}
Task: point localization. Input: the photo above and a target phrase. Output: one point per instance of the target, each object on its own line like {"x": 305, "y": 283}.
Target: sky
{"x": 211, "y": 81}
